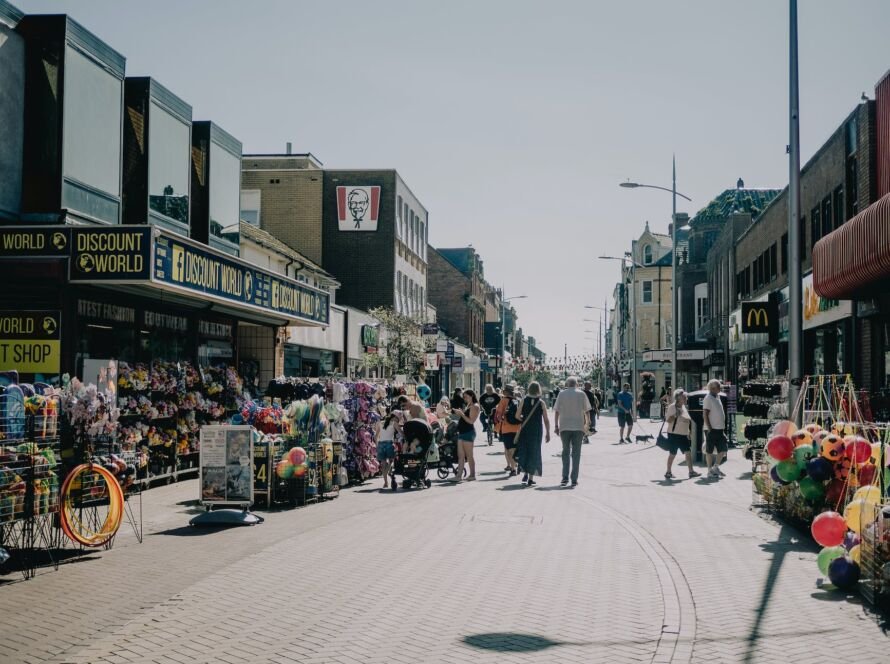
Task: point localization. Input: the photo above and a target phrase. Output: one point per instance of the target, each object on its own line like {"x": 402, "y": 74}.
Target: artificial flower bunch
{"x": 89, "y": 411}
{"x": 132, "y": 377}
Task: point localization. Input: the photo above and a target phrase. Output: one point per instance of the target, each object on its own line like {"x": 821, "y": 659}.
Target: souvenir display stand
{"x": 162, "y": 409}
{"x": 29, "y": 477}
{"x": 832, "y": 476}
{"x": 762, "y": 404}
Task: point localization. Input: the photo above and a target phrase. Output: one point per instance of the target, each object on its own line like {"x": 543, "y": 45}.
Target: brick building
{"x": 458, "y": 290}
{"x": 365, "y": 227}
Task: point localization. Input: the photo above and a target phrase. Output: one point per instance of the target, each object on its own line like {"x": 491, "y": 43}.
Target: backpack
{"x": 510, "y": 412}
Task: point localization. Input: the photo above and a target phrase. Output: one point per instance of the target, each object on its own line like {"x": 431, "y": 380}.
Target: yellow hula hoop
{"x": 72, "y": 526}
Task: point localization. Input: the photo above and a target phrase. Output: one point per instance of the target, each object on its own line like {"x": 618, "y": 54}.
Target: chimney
{"x": 290, "y": 147}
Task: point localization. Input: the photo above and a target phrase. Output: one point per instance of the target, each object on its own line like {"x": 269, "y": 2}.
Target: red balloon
{"x": 834, "y": 491}
{"x": 857, "y": 449}
{"x": 866, "y": 475}
{"x": 829, "y": 529}
{"x": 781, "y": 448}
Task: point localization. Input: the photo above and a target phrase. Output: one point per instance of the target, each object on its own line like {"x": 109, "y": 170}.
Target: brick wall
{"x": 291, "y": 202}
{"x": 448, "y": 291}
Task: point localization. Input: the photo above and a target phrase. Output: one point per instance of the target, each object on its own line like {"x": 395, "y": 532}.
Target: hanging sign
{"x": 226, "y": 464}
{"x": 370, "y": 338}
{"x": 110, "y": 254}
{"x": 457, "y": 362}
{"x": 19, "y": 241}
{"x": 757, "y": 317}
{"x": 431, "y": 361}
{"x": 30, "y": 341}
{"x": 430, "y": 329}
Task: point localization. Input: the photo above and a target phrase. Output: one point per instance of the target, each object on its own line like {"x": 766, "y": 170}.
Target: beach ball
{"x": 879, "y": 452}
{"x": 774, "y": 476}
{"x": 785, "y": 428}
{"x": 813, "y": 428}
{"x": 811, "y": 490}
{"x": 832, "y": 447}
{"x": 297, "y": 456}
{"x": 788, "y": 470}
{"x": 866, "y": 474}
{"x": 802, "y": 437}
{"x": 843, "y": 573}
{"x": 424, "y": 392}
{"x": 284, "y": 469}
{"x": 842, "y": 428}
{"x": 856, "y": 554}
{"x": 857, "y": 448}
{"x": 842, "y": 468}
{"x": 870, "y": 494}
{"x": 820, "y": 469}
{"x": 835, "y": 491}
{"x": 854, "y": 513}
{"x": 300, "y": 470}
{"x": 827, "y": 555}
{"x": 804, "y": 453}
{"x": 819, "y": 436}
{"x": 780, "y": 448}
{"x": 829, "y": 528}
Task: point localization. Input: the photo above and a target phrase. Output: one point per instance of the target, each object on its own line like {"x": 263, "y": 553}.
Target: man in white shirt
{"x": 571, "y": 419}
{"x": 715, "y": 426}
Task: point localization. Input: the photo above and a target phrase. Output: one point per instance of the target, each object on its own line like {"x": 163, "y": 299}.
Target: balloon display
{"x": 828, "y": 529}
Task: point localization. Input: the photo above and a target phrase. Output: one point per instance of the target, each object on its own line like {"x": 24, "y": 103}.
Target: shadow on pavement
{"x": 495, "y": 479}
{"x": 554, "y": 488}
{"x": 511, "y": 487}
{"x": 192, "y": 531}
{"x": 514, "y": 642}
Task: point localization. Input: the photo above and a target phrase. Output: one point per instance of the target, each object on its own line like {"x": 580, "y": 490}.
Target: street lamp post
{"x": 795, "y": 287}
{"x": 674, "y": 303}
{"x": 504, "y": 301}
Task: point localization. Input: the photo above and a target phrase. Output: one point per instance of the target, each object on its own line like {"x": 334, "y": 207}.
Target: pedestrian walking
{"x": 386, "y": 441}
{"x": 506, "y": 416}
{"x": 594, "y": 406}
{"x": 570, "y": 422}
{"x": 535, "y": 424}
{"x": 625, "y": 402}
{"x": 678, "y": 422}
{"x": 457, "y": 400}
{"x": 466, "y": 434}
{"x": 488, "y": 402}
{"x": 715, "y": 429}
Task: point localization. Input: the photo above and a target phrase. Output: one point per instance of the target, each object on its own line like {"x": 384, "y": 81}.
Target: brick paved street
{"x": 624, "y": 568}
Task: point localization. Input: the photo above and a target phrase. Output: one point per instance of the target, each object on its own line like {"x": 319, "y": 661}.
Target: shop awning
{"x": 856, "y": 255}
{"x": 148, "y": 260}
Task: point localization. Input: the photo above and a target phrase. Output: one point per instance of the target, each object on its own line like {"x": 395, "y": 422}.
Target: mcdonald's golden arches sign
{"x": 758, "y": 317}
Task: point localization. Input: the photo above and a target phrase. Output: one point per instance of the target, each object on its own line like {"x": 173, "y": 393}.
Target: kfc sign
{"x": 358, "y": 208}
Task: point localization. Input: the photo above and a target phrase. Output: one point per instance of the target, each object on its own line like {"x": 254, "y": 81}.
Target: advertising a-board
{"x": 226, "y": 463}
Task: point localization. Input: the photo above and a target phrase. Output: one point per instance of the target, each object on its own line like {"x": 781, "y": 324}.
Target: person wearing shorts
{"x": 625, "y": 402}
{"x": 506, "y": 430}
{"x": 678, "y": 422}
{"x": 386, "y": 447}
{"x": 715, "y": 429}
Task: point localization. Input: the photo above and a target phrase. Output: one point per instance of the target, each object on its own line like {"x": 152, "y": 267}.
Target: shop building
{"x": 457, "y": 289}
{"x": 104, "y": 249}
{"x": 837, "y": 182}
{"x": 332, "y": 216}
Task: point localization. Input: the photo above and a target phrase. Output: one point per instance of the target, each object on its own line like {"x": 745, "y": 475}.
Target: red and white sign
{"x": 358, "y": 208}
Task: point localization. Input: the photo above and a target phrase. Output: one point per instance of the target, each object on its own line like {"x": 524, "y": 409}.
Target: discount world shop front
{"x": 138, "y": 295}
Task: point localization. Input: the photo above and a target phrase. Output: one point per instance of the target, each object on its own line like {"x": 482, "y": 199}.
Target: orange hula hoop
{"x": 115, "y": 508}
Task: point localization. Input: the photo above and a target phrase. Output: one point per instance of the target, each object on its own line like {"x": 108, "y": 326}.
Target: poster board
{"x": 226, "y": 464}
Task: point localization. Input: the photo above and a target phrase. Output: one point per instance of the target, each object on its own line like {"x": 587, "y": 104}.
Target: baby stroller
{"x": 412, "y": 465}
{"x": 448, "y": 453}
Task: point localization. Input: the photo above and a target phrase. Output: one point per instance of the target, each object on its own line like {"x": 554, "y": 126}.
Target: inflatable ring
{"x": 75, "y": 526}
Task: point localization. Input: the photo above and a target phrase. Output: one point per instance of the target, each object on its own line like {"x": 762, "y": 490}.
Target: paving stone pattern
{"x": 624, "y": 568}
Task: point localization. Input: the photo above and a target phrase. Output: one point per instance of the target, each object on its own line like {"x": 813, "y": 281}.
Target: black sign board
{"x": 759, "y": 317}
{"x": 430, "y": 329}
{"x": 110, "y": 254}
{"x": 370, "y": 337}
{"x": 19, "y": 241}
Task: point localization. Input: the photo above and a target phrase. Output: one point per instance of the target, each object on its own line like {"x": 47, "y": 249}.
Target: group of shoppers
{"x": 678, "y": 423}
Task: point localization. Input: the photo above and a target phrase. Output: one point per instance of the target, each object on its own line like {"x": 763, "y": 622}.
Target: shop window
{"x": 647, "y": 292}
{"x": 250, "y": 206}
{"x": 838, "y": 201}
{"x": 773, "y": 262}
{"x": 815, "y": 226}
{"x": 225, "y": 192}
{"x": 93, "y": 112}
{"x": 827, "y": 225}
{"x": 784, "y": 251}
{"x": 399, "y": 229}
{"x": 168, "y": 165}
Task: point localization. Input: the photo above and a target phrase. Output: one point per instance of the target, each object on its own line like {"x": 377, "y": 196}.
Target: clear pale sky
{"x": 514, "y": 121}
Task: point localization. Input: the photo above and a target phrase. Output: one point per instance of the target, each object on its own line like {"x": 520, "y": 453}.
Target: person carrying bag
{"x": 677, "y": 439}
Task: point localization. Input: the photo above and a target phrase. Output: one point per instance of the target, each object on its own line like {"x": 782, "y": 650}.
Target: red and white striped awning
{"x": 854, "y": 256}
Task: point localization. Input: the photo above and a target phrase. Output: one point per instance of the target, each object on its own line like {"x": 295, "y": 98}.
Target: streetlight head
{"x": 629, "y": 184}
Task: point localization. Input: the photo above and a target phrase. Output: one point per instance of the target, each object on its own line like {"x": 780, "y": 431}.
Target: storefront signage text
{"x": 105, "y": 312}
{"x": 166, "y": 321}
{"x": 110, "y": 254}
{"x": 30, "y": 341}
{"x": 757, "y": 317}
{"x": 370, "y": 337}
{"x": 818, "y": 310}
{"x": 215, "y": 330}
{"x": 19, "y": 241}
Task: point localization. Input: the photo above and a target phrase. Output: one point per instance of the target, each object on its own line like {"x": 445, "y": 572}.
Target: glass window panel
{"x": 250, "y": 206}
{"x": 169, "y": 156}
{"x": 225, "y": 192}
{"x": 93, "y": 117}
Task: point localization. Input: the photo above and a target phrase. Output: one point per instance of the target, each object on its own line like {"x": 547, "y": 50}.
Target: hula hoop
{"x": 73, "y": 527}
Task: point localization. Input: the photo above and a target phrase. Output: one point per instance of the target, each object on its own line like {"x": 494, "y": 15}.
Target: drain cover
{"x": 518, "y": 519}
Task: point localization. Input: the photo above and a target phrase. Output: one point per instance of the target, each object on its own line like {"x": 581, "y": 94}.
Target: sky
{"x": 513, "y": 121}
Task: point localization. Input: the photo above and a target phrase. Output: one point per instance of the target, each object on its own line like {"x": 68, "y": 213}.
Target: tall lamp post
{"x": 795, "y": 287}
{"x": 628, "y": 257}
{"x": 604, "y": 322}
{"x": 504, "y": 301}
{"x": 674, "y": 304}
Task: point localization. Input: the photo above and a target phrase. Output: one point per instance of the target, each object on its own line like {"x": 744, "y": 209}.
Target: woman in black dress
{"x": 535, "y": 423}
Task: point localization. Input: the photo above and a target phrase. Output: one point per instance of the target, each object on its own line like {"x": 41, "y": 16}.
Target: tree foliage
{"x": 401, "y": 343}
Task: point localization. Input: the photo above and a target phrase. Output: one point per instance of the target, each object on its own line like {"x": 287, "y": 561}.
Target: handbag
{"x": 525, "y": 419}
{"x": 663, "y": 441}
